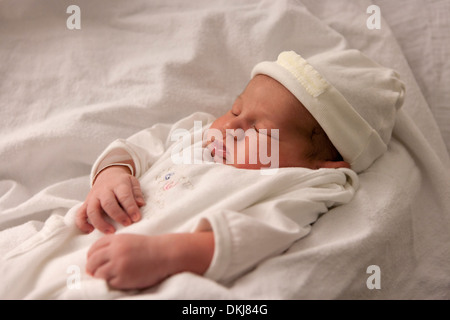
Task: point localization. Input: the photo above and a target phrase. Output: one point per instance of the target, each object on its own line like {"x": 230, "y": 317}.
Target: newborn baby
{"x": 264, "y": 104}
{"x": 273, "y": 101}
{"x": 286, "y": 152}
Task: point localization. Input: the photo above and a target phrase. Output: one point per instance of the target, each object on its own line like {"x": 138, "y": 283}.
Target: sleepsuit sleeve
{"x": 270, "y": 227}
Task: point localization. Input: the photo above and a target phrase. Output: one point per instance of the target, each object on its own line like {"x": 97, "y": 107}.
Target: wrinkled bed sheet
{"x": 66, "y": 94}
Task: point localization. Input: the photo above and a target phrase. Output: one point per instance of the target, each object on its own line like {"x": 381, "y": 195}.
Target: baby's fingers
{"x": 97, "y": 217}
{"x": 137, "y": 192}
{"x": 127, "y": 201}
{"x": 101, "y": 243}
{"x": 97, "y": 263}
{"x": 81, "y": 219}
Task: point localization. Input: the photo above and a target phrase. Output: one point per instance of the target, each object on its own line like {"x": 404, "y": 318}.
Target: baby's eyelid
{"x": 234, "y": 112}
{"x": 264, "y": 131}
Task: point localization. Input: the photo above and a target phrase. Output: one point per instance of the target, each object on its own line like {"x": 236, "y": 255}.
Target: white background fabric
{"x": 66, "y": 94}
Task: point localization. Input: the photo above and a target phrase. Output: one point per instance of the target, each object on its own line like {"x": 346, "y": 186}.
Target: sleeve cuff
{"x": 111, "y": 165}
{"x": 222, "y": 247}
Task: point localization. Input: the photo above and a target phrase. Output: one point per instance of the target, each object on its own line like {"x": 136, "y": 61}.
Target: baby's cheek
{"x": 245, "y": 153}
{"x": 268, "y": 153}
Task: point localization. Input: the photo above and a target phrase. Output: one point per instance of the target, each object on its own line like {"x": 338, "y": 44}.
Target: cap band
{"x": 308, "y": 77}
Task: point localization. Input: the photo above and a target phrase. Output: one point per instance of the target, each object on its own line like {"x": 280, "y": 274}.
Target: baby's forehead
{"x": 279, "y": 104}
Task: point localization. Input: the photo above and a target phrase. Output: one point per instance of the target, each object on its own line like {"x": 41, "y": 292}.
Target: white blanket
{"x": 66, "y": 94}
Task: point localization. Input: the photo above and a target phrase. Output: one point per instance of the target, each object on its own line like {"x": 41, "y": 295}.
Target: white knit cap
{"x": 354, "y": 99}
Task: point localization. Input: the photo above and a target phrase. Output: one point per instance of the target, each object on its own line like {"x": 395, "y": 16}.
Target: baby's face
{"x": 273, "y": 120}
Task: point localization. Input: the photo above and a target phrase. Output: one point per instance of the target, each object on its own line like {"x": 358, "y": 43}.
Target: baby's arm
{"x": 129, "y": 261}
{"x": 119, "y": 195}
{"x": 116, "y": 193}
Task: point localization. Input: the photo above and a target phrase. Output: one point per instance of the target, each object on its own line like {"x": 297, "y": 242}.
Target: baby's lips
{"x": 218, "y": 149}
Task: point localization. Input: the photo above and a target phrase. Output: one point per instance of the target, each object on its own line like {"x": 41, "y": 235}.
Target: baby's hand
{"x": 115, "y": 193}
{"x": 129, "y": 261}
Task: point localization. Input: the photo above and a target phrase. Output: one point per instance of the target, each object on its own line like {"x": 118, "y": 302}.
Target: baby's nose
{"x": 234, "y": 128}
{"x": 236, "y": 134}
{"x": 236, "y": 123}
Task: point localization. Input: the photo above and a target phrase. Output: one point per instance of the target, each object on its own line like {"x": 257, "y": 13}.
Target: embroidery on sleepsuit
{"x": 167, "y": 180}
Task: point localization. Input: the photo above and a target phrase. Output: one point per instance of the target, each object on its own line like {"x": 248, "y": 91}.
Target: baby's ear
{"x": 335, "y": 164}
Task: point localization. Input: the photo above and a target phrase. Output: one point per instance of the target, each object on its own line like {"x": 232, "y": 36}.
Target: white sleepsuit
{"x": 253, "y": 215}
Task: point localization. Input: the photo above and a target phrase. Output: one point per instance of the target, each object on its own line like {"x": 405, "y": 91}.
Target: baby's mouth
{"x": 217, "y": 149}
